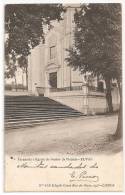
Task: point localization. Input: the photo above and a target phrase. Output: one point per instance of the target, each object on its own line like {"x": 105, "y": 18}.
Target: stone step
{"x": 38, "y": 111}
{"x": 30, "y": 100}
{"x": 37, "y": 105}
{"x": 15, "y": 117}
{"x": 9, "y": 120}
{"x": 20, "y": 114}
{"x": 13, "y": 111}
{"x": 27, "y": 111}
{"x": 25, "y": 124}
{"x": 17, "y": 109}
{"x": 31, "y": 124}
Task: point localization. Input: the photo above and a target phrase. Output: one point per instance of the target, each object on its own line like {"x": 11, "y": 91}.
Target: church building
{"x": 50, "y": 76}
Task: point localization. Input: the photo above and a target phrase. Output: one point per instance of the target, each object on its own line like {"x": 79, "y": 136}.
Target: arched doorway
{"x": 53, "y": 80}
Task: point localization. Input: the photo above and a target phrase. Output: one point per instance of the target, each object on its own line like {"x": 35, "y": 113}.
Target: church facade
{"x": 49, "y": 74}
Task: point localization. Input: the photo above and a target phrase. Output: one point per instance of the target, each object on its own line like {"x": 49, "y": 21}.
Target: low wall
{"x": 74, "y": 99}
{"x": 97, "y": 104}
{"x": 87, "y": 104}
{"x": 16, "y": 93}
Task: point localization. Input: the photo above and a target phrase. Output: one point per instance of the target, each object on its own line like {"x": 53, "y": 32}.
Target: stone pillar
{"x": 47, "y": 85}
{"x": 85, "y": 98}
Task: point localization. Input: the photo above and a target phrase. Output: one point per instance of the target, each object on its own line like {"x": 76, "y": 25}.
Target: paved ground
{"x": 70, "y": 136}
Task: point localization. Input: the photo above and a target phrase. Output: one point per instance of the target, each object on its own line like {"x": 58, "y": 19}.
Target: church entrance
{"x": 53, "y": 80}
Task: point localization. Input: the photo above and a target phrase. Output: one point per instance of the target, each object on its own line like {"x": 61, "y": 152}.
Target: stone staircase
{"x": 28, "y": 111}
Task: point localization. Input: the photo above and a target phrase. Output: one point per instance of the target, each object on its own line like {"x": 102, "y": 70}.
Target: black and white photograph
{"x": 63, "y": 96}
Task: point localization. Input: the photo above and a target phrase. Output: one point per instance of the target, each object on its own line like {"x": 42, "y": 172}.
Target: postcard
{"x": 63, "y": 97}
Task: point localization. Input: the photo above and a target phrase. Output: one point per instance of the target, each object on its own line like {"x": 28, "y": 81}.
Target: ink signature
{"x": 82, "y": 176}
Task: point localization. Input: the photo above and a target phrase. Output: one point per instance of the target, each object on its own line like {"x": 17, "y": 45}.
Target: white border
{"x": 60, "y": 1}
{"x": 2, "y": 4}
{"x": 1, "y": 95}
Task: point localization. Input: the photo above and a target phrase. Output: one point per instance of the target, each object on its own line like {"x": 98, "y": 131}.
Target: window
{"x": 52, "y": 52}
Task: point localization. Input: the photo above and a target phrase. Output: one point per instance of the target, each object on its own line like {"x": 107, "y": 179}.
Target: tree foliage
{"x": 97, "y": 46}
{"x": 97, "y": 40}
{"x": 24, "y": 28}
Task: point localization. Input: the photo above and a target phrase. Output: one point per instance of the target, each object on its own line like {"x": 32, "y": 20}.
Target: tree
{"x": 11, "y": 68}
{"x": 23, "y": 64}
{"x": 24, "y": 29}
{"x": 97, "y": 45}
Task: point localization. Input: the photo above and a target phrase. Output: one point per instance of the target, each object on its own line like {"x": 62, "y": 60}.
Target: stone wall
{"x": 97, "y": 104}
{"x": 74, "y": 99}
{"x": 87, "y": 104}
